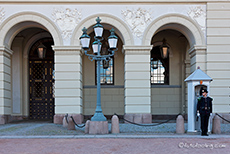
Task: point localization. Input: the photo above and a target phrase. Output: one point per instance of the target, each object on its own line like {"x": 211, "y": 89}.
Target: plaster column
{"x": 198, "y": 57}
{"x": 17, "y": 75}
{"x": 185, "y": 89}
{"x": 68, "y": 83}
{"x": 5, "y": 84}
{"x": 137, "y": 84}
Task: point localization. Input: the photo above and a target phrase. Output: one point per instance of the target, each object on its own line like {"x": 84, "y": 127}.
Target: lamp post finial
{"x": 98, "y": 20}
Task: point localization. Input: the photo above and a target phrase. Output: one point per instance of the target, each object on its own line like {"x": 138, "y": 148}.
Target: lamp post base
{"x": 98, "y": 116}
{"x": 98, "y": 127}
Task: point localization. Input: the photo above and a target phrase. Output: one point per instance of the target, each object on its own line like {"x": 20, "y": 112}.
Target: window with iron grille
{"x": 159, "y": 67}
{"x": 107, "y": 72}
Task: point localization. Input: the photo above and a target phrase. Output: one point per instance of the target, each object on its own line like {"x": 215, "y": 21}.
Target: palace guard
{"x": 204, "y": 110}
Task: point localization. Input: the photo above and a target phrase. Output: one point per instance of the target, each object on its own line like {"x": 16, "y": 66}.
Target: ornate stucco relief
{"x": 198, "y": 14}
{"x": 66, "y": 19}
{"x": 138, "y": 20}
{"x": 2, "y": 14}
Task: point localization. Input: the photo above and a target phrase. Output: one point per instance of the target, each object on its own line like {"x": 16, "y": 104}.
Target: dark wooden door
{"x": 41, "y": 89}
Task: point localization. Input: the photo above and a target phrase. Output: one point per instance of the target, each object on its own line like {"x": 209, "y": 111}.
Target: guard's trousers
{"x": 204, "y": 123}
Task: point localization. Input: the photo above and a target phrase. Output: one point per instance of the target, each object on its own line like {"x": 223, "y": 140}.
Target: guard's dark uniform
{"x": 204, "y": 106}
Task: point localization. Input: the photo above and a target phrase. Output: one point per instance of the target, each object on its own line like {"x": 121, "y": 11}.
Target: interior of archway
{"x": 22, "y": 44}
{"x": 169, "y": 98}
{"x": 112, "y": 92}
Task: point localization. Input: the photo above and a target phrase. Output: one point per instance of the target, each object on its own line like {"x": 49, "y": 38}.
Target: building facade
{"x": 139, "y": 83}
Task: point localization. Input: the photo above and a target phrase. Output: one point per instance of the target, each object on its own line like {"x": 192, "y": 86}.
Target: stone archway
{"x": 10, "y": 28}
{"x": 195, "y": 47}
{"x": 184, "y": 25}
{"x": 188, "y": 28}
{"x": 16, "y": 23}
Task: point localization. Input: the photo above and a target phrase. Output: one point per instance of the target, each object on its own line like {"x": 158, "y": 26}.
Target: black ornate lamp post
{"x": 85, "y": 40}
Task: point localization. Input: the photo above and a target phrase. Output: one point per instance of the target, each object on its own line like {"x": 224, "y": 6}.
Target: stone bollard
{"x": 87, "y": 127}
{"x": 216, "y": 125}
{"x": 64, "y": 122}
{"x": 180, "y": 125}
{"x": 71, "y": 125}
{"x": 115, "y": 125}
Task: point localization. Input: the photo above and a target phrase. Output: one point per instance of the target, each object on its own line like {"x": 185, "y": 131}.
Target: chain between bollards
{"x": 76, "y": 123}
{"x": 149, "y": 124}
{"x": 223, "y": 118}
{"x": 144, "y": 125}
{"x": 66, "y": 118}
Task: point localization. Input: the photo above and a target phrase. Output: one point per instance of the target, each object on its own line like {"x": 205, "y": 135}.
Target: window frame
{"x": 104, "y": 73}
{"x": 156, "y": 55}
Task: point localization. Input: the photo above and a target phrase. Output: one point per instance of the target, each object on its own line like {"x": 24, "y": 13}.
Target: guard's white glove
{"x": 210, "y": 114}
{"x": 198, "y": 114}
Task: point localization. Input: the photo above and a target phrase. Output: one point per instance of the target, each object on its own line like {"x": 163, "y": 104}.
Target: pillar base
{"x": 4, "y": 119}
{"x": 58, "y": 118}
{"x": 98, "y": 127}
{"x": 141, "y": 118}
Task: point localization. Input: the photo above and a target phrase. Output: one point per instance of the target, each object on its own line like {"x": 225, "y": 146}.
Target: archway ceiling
{"x": 180, "y": 29}
{"x": 24, "y": 29}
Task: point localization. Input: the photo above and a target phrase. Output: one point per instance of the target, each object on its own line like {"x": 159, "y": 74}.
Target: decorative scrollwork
{"x": 2, "y": 14}
{"x": 66, "y": 19}
{"x": 198, "y": 14}
{"x": 138, "y": 20}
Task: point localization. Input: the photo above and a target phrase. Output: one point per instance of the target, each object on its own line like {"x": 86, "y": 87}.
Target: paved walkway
{"x": 49, "y": 138}
{"x": 115, "y": 146}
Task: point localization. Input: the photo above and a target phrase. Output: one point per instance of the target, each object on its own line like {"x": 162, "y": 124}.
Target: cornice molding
{"x": 6, "y": 51}
{"x": 127, "y": 49}
{"x": 111, "y": 1}
{"x": 197, "y": 49}
{"x": 67, "y": 50}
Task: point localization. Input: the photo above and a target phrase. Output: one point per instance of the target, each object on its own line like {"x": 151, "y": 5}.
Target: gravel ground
{"x": 45, "y": 128}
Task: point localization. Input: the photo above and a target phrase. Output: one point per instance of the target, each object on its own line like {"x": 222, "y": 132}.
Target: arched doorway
{"x": 18, "y": 37}
{"x": 41, "y": 81}
{"x": 168, "y": 74}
